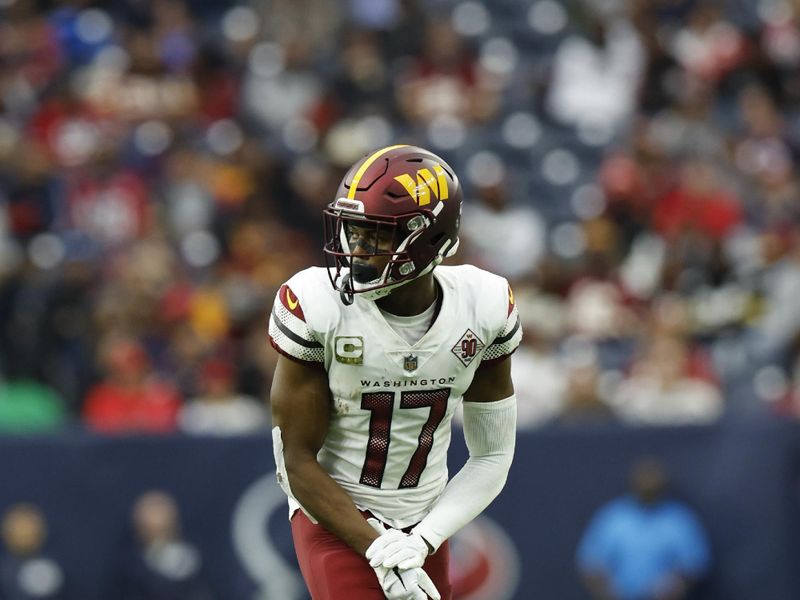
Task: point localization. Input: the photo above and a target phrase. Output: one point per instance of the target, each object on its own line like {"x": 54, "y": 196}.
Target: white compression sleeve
{"x": 490, "y": 432}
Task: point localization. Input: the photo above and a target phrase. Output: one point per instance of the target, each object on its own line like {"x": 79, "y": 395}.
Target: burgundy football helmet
{"x": 408, "y": 198}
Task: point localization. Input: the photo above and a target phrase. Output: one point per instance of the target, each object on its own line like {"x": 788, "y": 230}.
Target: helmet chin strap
{"x": 349, "y": 286}
{"x": 346, "y": 291}
{"x": 353, "y": 285}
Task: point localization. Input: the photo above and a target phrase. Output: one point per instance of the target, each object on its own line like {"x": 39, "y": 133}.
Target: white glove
{"x": 406, "y": 584}
{"x": 397, "y": 549}
{"x": 401, "y": 583}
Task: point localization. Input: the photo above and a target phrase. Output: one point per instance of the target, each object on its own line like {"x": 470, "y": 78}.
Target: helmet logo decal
{"x": 426, "y": 183}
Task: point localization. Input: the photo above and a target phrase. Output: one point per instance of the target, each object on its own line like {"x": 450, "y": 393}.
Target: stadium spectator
{"x": 219, "y": 410}
{"x": 363, "y": 81}
{"x": 596, "y": 308}
{"x": 289, "y": 91}
{"x": 541, "y": 379}
{"x": 661, "y": 387}
{"x": 505, "y": 238}
{"x": 583, "y": 404}
{"x": 777, "y": 326}
{"x": 559, "y": 385}
{"x": 28, "y": 406}
{"x": 26, "y": 573}
{"x": 698, "y": 205}
{"x": 596, "y": 73}
{"x": 131, "y": 399}
{"x": 644, "y": 545}
{"x": 708, "y": 46}
{"x": 445, "y": 80}
{"x": 160, "y": 564}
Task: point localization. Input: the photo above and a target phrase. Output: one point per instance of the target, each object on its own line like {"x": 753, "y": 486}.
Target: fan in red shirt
{"x": 130, "y": 398}
{"x": 698, "y": 203}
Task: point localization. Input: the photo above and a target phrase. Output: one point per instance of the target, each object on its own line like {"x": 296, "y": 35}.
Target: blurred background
{"x": 629, "y": 165}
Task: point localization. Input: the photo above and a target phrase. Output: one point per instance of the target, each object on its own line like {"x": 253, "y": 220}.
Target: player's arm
{"x": 490, "y": 416}
{"x": 492, "y": 382}
{"x": 300, "y": 400}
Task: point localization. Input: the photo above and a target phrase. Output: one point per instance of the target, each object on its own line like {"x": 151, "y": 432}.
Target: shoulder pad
{"x": 291, "y": 324}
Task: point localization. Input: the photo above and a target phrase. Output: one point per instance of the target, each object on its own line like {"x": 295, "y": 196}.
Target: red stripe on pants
{"x": 334, "y": 571}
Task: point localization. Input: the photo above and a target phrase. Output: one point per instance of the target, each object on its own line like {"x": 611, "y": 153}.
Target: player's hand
{"x": 397, "y": 549}
{"x": 388, "y": 538}
{"x": 401, "y": 583}
{"x": 406, "y": 584}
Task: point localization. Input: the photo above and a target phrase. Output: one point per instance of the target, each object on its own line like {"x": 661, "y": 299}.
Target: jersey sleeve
{"x": 508, "y": 338}
{"x": 290, "y": 334}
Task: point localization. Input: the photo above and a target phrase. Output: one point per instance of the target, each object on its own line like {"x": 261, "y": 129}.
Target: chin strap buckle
{"x": 346, "y": 291}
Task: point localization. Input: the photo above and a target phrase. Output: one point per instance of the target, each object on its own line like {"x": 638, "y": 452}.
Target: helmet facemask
{"x": 354, "y": 240}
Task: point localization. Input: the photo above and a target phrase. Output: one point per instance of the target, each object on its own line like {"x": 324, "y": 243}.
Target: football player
{"x": 377, "y": 352}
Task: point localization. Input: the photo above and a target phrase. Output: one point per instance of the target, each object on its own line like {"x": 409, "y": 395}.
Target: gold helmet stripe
{"x": 351, "y": 194}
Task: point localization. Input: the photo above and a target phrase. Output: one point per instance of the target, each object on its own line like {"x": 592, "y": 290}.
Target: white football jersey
{"x": 393, "y": 402}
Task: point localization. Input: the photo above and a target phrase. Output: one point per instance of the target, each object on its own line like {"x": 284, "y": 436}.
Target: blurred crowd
{"x": 153, "y": 559}
{"x": 629, "y": 165}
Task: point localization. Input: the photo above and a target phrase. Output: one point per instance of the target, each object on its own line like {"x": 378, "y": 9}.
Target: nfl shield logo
{"x": 410, "y": 363}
